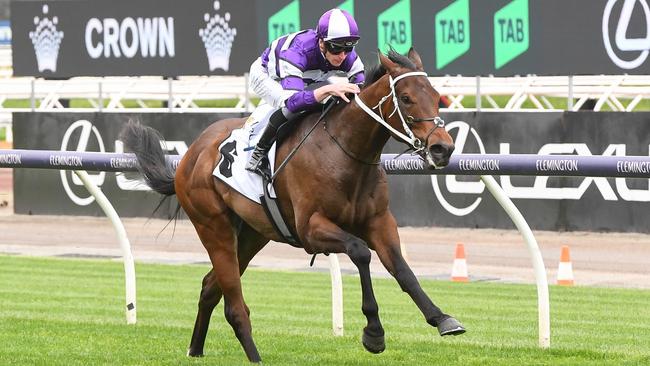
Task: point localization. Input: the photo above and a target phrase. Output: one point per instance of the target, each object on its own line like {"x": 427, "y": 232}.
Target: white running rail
{"x": 122, "y": 238}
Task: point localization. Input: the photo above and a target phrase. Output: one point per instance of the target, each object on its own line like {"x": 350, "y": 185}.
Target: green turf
{"x": 70, "y": 312}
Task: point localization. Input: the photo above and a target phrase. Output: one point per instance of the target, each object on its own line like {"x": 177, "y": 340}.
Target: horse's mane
{"x": 376, "y": 72}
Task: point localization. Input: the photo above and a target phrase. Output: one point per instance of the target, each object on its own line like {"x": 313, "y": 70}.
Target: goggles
{"x": 336, "y": 48}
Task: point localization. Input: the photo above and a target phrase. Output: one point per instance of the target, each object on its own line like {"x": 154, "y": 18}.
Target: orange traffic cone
{"x": 459, "y": 270}
{"x": 565, "y": 269}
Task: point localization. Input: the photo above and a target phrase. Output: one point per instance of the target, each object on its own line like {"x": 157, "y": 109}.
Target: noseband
{"x": 414, "y": 142}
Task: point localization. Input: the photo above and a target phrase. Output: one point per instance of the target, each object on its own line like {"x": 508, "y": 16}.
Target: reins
{"x": 359, "y": 160}
{"x": 295, "y": 149}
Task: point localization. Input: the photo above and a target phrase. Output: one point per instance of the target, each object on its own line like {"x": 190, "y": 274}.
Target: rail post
{"x": 129, "y": 265}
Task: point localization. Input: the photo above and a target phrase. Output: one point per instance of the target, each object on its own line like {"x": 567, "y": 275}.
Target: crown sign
{"x": 217, "y": 36}
{"x": 46, "y": 40}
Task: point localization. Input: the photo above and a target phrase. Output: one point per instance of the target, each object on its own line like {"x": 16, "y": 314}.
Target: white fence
{"x": 194, "y": 93}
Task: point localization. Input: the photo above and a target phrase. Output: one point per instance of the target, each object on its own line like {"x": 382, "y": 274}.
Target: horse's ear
{"x": 386, "y": 62}
{"x": 414, "y": 56}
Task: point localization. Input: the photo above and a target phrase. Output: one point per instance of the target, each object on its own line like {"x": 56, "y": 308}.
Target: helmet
{"x": 339, "y": 27}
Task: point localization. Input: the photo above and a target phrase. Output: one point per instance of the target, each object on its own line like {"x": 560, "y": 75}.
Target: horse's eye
{"x": 405, "y": 99}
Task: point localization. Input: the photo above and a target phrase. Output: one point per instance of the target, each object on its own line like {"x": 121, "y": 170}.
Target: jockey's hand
{"x": 336, "y": 90}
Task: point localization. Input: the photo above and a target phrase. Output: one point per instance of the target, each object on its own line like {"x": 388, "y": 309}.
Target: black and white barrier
{"x": 484, "y": 165}
{"x": 461, "y": 164}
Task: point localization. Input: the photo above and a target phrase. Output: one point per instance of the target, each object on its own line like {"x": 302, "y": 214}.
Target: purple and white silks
{"x": 293, "y": 62}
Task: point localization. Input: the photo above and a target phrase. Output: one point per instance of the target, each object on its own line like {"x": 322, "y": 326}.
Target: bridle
{"x": 415, "y": 143}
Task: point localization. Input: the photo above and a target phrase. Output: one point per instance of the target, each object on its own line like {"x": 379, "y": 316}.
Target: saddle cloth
{"x": 236, "y": 151}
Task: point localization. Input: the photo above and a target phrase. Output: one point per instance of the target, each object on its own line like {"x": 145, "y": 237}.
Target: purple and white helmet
{"x": 338, "y": 26}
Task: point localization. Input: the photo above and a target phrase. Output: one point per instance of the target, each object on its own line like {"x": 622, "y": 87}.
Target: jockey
{"x": 280, "y": 76}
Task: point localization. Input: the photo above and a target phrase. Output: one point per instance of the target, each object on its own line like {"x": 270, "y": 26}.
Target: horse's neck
{"x": 358, "y": 132}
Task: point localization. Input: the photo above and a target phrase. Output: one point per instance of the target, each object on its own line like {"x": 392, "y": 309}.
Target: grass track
{"x": 69, "y": 312}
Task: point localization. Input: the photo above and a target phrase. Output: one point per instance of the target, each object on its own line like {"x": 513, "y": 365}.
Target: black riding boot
{"x": 259, "y": 158}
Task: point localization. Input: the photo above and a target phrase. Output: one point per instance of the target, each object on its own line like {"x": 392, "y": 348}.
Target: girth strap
{"x": 274, "y": 214}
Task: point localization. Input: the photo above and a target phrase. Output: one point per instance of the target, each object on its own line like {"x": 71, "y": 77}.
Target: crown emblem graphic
{"x": 217, "y": 36}
{"x": 46, "y": 40}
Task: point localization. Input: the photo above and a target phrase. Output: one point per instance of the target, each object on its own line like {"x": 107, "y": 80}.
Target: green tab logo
{"x": 348, "y": 6}
{"x": 511, "y": 32}
{"x": 394, "y": 28}
{"x": 452, "y": 32}
{"x": 285, "y": 21}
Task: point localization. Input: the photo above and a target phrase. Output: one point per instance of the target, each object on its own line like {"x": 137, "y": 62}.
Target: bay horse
{"x": 333, "y": 194}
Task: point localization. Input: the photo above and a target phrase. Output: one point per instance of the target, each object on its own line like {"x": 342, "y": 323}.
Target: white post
{"x": 478, "y": 93}
{"x": 32, "y": 95}
{"x": 129, "y": 266}
{"x": 536, "y": 257}
{"x": 569, "y": 102}
{"x": 337, "y": 295}
{"x": 100, "y": 96}
{"x": 9, "y": 131}
{"x": 170, "y": 95}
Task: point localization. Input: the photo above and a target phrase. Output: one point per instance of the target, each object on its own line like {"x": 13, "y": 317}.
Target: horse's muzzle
{"x": 438, "y": 155}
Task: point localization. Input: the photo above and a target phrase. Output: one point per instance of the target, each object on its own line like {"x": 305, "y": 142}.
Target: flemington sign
{"x": 555, "y": 175}
{"x": 468, "y": 37}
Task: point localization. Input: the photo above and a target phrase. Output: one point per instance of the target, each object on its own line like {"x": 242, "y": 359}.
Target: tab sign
{"x": 394, "y": 28}
{"x": 285, "y": 21}
{"x": 452, "y": 32}
{"x": 511, "y": 32}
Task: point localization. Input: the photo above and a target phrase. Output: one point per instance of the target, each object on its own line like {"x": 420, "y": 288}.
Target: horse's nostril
{"x": 438, "y": 149}
{"x": 441, "y": 150}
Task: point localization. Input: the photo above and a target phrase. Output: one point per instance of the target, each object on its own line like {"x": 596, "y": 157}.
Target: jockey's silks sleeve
{"x": 295, "y": 61}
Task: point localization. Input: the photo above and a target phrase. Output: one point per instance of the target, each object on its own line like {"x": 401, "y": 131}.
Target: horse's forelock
{"x": 401, "y": 60}
{"x": 376, "y": 72}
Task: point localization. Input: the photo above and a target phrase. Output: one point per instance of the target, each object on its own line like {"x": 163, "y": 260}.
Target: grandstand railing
{"x": 199, "y": 93}
{"x": 612, "y": 92}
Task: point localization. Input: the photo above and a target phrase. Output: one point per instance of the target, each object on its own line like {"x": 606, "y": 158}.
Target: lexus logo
{"x": 85, "y": 129}
{"x": 635, "y": 50}
{"x": 453, "y": 185}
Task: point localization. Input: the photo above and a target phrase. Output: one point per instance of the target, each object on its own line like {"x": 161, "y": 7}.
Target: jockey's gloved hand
{"x": 336, "y": 90}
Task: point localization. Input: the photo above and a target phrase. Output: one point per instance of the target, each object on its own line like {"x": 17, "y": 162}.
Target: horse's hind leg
{"x": 249, "y": 243}
{"x": 209, "y": 298}
{"x": 218, "y": 236}
{"x": 323, "y": 236}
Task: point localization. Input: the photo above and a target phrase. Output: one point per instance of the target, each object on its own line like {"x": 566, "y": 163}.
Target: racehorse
{"x": 333, "y": 194}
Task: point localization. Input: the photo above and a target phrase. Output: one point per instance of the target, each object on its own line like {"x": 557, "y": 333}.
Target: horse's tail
{"x": 144, "y": 142}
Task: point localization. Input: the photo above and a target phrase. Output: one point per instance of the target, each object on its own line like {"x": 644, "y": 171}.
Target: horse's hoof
{"x": 373, "y": 344}
{"x": 194, "y": 354}
{"x": 450, "y": 326}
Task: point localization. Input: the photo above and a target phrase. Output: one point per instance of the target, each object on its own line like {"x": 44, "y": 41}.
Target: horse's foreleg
{"x": 323, "y": 236}
{"x": 249, "y": 243}
{"x": 384, "y": 239}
